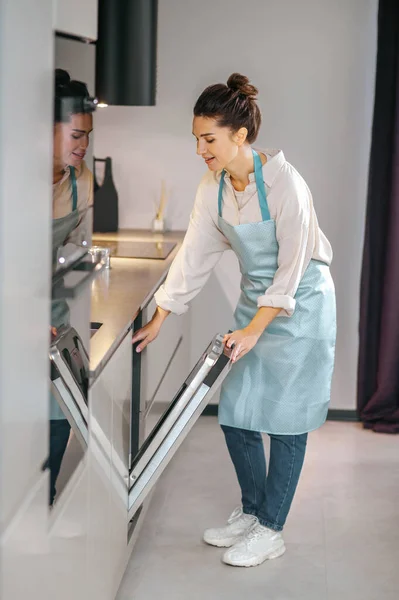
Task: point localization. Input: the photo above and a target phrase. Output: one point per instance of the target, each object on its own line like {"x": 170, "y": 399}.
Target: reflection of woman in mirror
{"x": 72, "y": 195}
{"x": 72, "y": 180}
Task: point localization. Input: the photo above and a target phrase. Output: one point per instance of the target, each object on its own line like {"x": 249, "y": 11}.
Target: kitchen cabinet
{"x": 109, "y": 435}
{"x": 121, "y": 414}
{"x": 68, "y": 540}
{"x": 77, "y": 18}
{"x": 160, "y": 355}
{"x": 25, "y": 548}
{"x": 25, "y": 64}
{"x": 99, "y": 462}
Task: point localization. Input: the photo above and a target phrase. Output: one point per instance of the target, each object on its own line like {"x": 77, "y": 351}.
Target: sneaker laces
{"x": 256, "y": 533}
{"x": 238, "y": 514}
{"x": 235, "y": 515}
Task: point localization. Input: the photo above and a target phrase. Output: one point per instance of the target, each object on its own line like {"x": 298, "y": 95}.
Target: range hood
{"x": 126, "y": 56}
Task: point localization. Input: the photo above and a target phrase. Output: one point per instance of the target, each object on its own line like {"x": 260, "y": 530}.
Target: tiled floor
{"x": 342, "y": 535}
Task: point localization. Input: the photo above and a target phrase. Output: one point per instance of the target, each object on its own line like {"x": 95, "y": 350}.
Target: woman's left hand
{"x": 243, "y": 341}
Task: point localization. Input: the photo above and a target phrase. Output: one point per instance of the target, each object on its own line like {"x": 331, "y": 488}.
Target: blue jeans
{"x": 60, "y": 430}
{"x": 268, "y": 496}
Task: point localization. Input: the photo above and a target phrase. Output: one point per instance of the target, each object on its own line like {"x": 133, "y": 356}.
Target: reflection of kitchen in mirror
{"x": 72, "y": 267}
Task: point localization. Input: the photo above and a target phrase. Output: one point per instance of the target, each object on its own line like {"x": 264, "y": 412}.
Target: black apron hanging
{"x": 105, "y": 210}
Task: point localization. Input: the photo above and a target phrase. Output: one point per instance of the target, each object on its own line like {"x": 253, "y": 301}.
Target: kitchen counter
{"x": 119, "y": 293}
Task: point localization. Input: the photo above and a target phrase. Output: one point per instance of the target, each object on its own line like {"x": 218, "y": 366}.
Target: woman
{"x": 257, "y": 204}
{"x": 72, "y": 180}
{"x": 72, "y": 195}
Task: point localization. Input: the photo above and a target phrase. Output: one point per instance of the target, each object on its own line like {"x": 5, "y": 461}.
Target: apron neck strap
{"x": 74, "y": 189}
{"x": 220, "y": 193}
{"x": 260, "y": 187}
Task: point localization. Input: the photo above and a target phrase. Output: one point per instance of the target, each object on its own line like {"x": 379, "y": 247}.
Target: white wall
{"x": 26, "y": 63}
{"x": 76, "y": 17}
{"x": 313, "y": 62}
{"x": 25, "y": 217}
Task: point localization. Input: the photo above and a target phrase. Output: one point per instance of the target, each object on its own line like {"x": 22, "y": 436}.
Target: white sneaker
{"x": 259, "y": 544}
{"x": 237, "y": 525}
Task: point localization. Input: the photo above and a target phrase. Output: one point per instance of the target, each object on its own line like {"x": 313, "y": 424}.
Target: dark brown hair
{"x": 233, "y": 105}
{"x": 69, "y": 97}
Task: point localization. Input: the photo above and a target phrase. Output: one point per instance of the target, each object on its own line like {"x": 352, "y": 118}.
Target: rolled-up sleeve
{"x": 201, "y": 250}
{"x": 296, "y": 238}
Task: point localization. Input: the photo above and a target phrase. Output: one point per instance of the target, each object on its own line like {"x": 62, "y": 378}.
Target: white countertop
{"x": 119, "y": 293}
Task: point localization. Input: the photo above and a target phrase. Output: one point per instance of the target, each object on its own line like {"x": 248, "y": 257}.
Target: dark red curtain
{"x": 378, "y": 372}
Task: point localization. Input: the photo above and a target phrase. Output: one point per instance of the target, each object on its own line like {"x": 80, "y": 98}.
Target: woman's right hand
{"x": 149, "y": 332}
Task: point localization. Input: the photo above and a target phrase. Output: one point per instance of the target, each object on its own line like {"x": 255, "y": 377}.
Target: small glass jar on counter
{"x": 100, "y": 254}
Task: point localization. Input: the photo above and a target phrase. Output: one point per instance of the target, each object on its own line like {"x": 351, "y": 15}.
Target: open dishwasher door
{"x": 174, "y": 425}
{"x": 70, "y": 380}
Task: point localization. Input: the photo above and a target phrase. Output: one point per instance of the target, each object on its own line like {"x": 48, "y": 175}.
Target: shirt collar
{"x": 275, "y": 160}
{"x": 67, "y": 174}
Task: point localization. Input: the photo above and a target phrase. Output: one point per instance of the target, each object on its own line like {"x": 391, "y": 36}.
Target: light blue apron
{"x": 61, "y": 230}
{"x": 282, "y": 386}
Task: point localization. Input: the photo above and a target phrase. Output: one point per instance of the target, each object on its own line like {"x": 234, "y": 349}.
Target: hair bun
{"x": 240, "y": 83}
{"x": 62, "y": 78}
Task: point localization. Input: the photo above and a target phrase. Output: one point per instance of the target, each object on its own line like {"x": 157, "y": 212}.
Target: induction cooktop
{"x": 137, "y": 249}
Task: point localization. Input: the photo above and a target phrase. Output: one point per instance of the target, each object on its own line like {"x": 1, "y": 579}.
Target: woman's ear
{"x": 240, "y": 136}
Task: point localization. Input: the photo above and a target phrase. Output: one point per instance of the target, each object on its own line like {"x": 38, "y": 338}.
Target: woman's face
{"x": 71, "y": 140}
{"x": 216, "y": 145}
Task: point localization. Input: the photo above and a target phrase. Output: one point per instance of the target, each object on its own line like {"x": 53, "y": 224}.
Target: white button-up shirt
{"x": 299, "y": 236}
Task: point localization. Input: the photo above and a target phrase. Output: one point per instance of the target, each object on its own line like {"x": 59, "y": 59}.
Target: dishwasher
{"x": 176, "y": 422}
{"x": 70, "y": 383}
{"x": 70, "y": 380}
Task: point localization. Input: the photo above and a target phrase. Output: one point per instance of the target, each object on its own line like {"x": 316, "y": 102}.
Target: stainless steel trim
{"x": 193, "y": 382}
{"x": 67, "y": 375}
{"x": 171, "y": 443}
{"x": 164, "y": 454}
{"x": 181, "y": 403}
